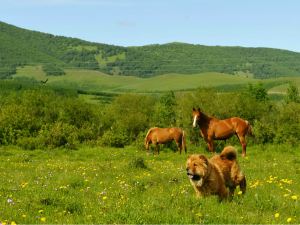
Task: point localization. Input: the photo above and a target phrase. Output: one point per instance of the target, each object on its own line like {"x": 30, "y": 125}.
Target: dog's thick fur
{"x": 216, "y": 175}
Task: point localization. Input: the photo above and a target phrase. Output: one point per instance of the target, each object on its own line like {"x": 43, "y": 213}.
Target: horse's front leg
{"x": 147, "y": 147}
{"x": 157, "y": 148}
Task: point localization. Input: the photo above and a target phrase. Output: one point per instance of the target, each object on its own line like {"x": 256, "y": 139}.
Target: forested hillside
{"x": 24, "y": 47}
{"x": 187, "y": 58}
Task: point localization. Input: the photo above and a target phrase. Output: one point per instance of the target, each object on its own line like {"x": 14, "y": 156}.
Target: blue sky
{"x": 251, "y": 23}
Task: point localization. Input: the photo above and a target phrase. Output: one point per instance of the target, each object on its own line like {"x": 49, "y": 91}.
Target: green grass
{"x": 93, "y": 81}
{"x": 107, "y": 185}
{"x": 281, "y": 89}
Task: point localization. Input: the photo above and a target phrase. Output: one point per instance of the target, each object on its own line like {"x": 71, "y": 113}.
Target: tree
{"x": 258, "y": 92}
{"x": 166, "y": 110}
{"x": 292, "y": 94}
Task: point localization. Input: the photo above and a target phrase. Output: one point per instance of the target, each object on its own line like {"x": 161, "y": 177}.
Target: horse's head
{"x": 196, "y": 116}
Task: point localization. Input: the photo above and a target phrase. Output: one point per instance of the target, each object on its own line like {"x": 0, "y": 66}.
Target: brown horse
{"x": 156, "y": 136}
{"x": 212, "y": 129}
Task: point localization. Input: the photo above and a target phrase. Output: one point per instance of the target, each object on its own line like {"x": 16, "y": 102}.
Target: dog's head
{"x": 197, "y": 168}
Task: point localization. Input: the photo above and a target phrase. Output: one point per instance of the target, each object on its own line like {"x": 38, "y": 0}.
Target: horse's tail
{"x": 146, "y": 142}
{"x": 250, "y": 130}
{"x": 229, "y": 153}
{"x": 183, "y": 141}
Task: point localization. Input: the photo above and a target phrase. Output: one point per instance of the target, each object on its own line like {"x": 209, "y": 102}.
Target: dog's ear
{"x": 203, "y": 157}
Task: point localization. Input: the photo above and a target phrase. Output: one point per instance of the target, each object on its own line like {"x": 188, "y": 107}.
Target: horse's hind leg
{"x": 243, "y": 143}
{"x": 210, "y": 144}
{"x": 179, "y": 146}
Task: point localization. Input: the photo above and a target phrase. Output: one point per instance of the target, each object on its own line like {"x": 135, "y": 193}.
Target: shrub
{"x": 115, "y": 138}
{"x": 138, "y": 163}
{"x": 140, "y": 140}
{"x": 59, "y": 135}
{"x": 29, "y": 143}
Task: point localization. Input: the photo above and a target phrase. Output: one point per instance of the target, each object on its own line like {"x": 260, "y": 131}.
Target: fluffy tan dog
{"x": 214, "y": 176}
{"x": 228, "y": 164}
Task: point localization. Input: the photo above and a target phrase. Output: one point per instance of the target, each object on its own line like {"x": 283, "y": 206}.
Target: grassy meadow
{"x": 106, "y": 185}
{"x": 94, "y": 81}
{"x": 111, "y": 185}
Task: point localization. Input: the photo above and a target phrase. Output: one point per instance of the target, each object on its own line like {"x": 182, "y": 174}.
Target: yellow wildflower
{"x": 104, "y": 198}
{"x": 13, "y": 223}
{"x": 254, "y": 185}
{"x": 240, "y": 192}
{"x": 289, "y": 220}
{"x": 276, "y": 215}
{"x": 43, "y": 219}
{"x": 294, "y": 197}
{"x": 41, "y": 211}
{"x": 199, "y": 214}
{"x": 23, "y": 184}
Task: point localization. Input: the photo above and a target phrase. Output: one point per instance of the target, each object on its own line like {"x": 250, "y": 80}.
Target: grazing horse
{"x": 156, "y": 136}
{"x": 212, "y": 129}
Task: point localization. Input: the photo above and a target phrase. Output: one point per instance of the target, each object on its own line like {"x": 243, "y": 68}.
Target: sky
{"x": 247, "y": 23}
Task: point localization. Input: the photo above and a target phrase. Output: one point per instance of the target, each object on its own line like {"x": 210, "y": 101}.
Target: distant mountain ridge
{"x": 19, "y": 47}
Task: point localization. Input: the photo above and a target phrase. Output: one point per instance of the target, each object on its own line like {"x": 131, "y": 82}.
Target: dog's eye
{"x": 195, "y": 164}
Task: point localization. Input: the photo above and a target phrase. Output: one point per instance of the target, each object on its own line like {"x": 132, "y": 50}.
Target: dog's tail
{"x": 236, "y": 174}
{"x": 229, "y": 153}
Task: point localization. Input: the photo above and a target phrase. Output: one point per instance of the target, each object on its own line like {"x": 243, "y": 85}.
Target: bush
{"x": 140, "y": 141}
{"x": 115, "y": 138}
{"x": 263, "y": 132}
{"x": 29, "y": 143}
{"x": 59, "y": 135}
{"x": 138, "y": 163}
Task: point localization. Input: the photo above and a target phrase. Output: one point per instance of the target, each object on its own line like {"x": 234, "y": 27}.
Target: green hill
{"x": 24, "y": 47}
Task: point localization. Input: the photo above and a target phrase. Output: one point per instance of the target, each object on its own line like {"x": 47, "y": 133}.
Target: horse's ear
{"x": 194, "y": 109}
{"x": 198, "y": 109}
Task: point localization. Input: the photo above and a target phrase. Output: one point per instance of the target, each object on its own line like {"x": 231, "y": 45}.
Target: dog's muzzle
{"x": 193, "y": 176}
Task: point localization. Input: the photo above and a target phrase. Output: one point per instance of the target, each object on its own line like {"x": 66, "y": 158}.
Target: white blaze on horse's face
{"x": 195, "y": 121}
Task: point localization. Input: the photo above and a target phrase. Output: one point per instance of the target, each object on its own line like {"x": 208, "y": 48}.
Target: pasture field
{"x": 281, "y": 89}
{"x": 94, "y": 81}
{"x": 110, "y": 185}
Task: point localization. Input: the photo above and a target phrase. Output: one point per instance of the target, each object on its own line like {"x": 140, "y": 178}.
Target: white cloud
{"x": 126, "y": 24}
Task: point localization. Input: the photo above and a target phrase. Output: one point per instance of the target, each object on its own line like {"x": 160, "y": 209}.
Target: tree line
{"x": 43, "y": 118}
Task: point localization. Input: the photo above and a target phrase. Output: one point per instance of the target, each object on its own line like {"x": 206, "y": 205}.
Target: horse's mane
{"x": 205, "y": 117}
{"x": 150, "y": 130}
